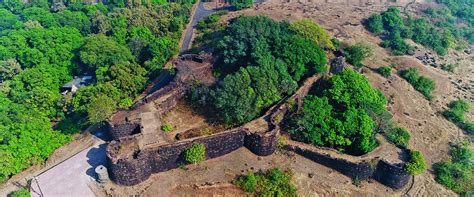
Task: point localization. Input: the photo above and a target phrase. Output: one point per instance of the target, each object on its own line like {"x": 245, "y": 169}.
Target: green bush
{"x": 399, "y": 136}
{"x": 20, "y": 193}
{"x": 374, "y": 23}
{"x": 449, "y": 67}
{"x": 457, "y": 173}
{"x": 385, "y": 71}
{"x": 417, "y": 163}
{"x": 456, "y": 111}
{"x": 241, "y": 4}
{"x": 355, "y": 54}
{"x": 167, "y": 127}
{"x": 195, "y": 154}
{"x": 273, "y": 182}
{"x": 422, "y": 84}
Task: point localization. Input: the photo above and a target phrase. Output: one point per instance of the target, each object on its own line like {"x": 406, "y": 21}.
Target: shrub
{"x": 417, "y": 163}
{"x": 20, "y": 193}
{"x": 457, "y": 174}
{"x": 274, "y": 182}
{"x": 399, "y": 136}
{"x": 422, "y": 84}
{"x": 449, "y": 67}
{"x": 456, "y": 111}
{"x": 385, "y": 71}
{"x": 374, "y": 23}
{"x": 195, "y": 154}
{"x": 167, "y": 127}
{"x": 355, "y": 54}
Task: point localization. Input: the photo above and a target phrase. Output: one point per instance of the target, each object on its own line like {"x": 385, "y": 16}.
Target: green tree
{"x": 357, "y": 53}
{"x": 100, "y": 108}
{"x": 310, "y": 30}
{"x": 100, "y": 51}
{"x": 374, "y": 23}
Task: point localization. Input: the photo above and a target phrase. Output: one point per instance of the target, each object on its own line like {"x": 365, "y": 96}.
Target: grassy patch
{"x": 273, "y": 182}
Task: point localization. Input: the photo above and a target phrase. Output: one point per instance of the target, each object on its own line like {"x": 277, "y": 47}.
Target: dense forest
{"x": 43, "y": 45}
{"x": 261, "y": 62}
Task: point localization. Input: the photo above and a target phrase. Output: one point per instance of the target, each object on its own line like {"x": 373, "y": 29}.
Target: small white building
{"x": 76, "y": 83}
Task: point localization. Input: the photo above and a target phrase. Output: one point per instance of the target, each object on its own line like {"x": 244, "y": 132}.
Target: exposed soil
{"x": 187, "y": 123}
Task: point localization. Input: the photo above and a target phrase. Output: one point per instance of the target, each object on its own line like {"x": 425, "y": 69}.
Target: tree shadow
{"x": 95, "y": 157}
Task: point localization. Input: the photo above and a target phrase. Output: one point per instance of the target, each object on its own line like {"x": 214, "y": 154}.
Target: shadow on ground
{"x": 95, "y": 157}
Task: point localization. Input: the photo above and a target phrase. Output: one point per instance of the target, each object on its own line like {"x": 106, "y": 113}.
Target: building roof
{"x": 79, "y": 81}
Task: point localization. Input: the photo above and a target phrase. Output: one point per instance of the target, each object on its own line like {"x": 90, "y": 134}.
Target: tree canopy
{"x": 338, "y": 118}
{"x": 262, "y": 61}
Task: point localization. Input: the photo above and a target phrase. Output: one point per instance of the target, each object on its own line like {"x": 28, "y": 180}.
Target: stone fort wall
{"x": 135, "y": 167}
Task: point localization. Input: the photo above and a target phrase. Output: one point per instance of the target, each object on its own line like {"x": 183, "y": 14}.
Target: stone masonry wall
{"x": 360, "y": 171}
{"x": 121, "y": 130}
{"x": 391, "y": 175}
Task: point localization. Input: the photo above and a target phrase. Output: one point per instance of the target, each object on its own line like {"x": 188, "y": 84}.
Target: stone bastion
{"x": 138, "y": 148}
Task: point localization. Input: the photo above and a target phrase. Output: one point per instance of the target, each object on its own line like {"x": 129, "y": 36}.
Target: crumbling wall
{"x": 138, "y": 167}
{"x": 170, "y": 156}
{"x": 360, "y": 171}
{"x": 124, "y": 129}
{"x": 391, "y": 175}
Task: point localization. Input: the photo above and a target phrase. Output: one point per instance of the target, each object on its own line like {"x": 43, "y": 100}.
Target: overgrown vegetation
{"x": 457, "y": 173}
{"x": 449, "y": 67}
{"x": 262, "y": 61}
{"x": 385, "y": 71}
{"x": 20, "y": 193}
{"x": 195, "y": 154}
{"x": 422, "y": 84}
{"x": 339, "y": 118}
{"x": 44, "y": 44}
{"x": 241, "y": 4}
{"x": 417, "y": 164}
{"x": 357, "y": 53}
{"x": 438, "y": 36}
{"x": 399, "y": 136}
{"x": 456, "y": 112}
{"x": 167, "y": 127}
{"x": 273, "y": 182}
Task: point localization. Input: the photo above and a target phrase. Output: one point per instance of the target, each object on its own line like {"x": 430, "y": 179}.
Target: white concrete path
{"x": 73, "y": 176}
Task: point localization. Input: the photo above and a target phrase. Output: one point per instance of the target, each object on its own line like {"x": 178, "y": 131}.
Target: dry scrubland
{"x": 431, "y": 133}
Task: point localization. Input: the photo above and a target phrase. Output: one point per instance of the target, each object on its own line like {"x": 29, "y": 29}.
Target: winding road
{"x": 199, "y": 14}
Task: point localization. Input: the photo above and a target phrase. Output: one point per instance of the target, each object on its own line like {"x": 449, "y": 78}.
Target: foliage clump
{"x": 339, "y": 119}
{"x": 456, "y": 112}
{"x": 273, "y": 182}
{"x": 394, "y": 29}
{"x": 195, "y": 154}
{"x": 422, "y": 84}
{"x": 20, "y": 193}
{"x": 167, "y": 127}
{"x": 399, "y": 136}
{"x": 241, "y": 4}
{"x": 416, "y": 164}
{"x": 457, "y": 173}
{"x": 262, "y": 61}
{"x": 385, "y": 71}
{"x": 357, "y": 53}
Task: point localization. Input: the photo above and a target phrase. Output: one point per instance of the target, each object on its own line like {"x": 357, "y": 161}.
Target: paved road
{"x": 200, "y": 13}
{"x": 71, "y": 177}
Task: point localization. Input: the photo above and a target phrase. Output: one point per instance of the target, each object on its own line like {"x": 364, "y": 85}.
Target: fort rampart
{"x": 130, "y": 163}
